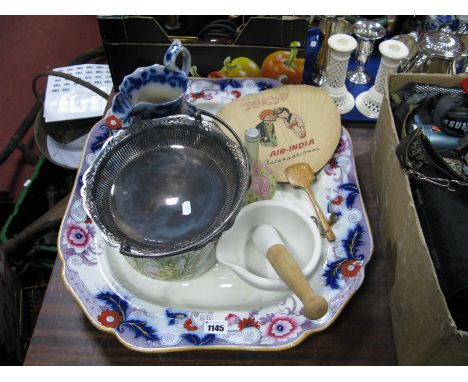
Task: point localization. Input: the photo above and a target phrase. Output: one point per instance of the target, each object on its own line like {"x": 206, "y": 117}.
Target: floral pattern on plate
{"x": 162, "y": 328}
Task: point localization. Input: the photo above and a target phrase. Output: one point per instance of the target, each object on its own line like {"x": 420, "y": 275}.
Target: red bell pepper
{"x": 216, "y": 74}
{"x": 284, "y": 66}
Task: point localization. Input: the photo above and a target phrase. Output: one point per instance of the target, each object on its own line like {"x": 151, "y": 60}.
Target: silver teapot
{"x": 438, "y": 52}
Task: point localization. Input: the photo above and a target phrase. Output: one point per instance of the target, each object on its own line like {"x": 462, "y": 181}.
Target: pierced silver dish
{"x": 167, "y": 187}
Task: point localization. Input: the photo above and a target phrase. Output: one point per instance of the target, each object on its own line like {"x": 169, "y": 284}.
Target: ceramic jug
{"x": 155, "y": 91}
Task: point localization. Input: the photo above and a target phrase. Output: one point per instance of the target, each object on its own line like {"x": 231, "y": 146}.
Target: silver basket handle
{"x": 198, "y": 117}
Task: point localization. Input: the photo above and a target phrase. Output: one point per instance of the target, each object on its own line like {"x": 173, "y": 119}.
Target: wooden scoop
{"x": 268, "y": 241}
{"x": 301, "y": 175}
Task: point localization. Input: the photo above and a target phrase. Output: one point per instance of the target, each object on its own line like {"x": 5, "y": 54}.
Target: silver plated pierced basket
{"x": 167, "y": 186}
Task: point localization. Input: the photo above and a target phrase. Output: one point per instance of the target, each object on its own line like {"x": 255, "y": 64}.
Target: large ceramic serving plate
{"x": 217, "y": 310}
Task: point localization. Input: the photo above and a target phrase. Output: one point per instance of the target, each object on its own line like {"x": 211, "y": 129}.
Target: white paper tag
{"x": 215, "y": 327}
{"x": 186, "y": 208}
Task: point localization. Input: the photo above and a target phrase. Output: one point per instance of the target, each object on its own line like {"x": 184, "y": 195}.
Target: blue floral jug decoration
{"x": 155, "y": 91}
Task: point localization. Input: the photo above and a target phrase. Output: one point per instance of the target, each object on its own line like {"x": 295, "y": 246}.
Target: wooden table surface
{"x": 361, "y": 335}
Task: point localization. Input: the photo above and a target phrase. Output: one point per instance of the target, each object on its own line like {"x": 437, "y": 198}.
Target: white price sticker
{"x": 186, "y": 208}
{"x": 215, "y": 327}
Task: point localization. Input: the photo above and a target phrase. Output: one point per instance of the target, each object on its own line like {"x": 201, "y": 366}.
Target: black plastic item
{"x": 415, "y": 151}
{"x": 36, "y": 197}
{"x": 191, "y": 26}
{"x": 441, "y": 112}
{"x": 6, "y": 206}
{"x": 10, "y": 340}
{"x": 22, "y": 287}
{"x": 30, "y": 302}
{"x": 443, "y": 216}
{"x": 220, "y": 30}
{"x": 150, "y": 29}
{"x": 273, "y": 31}
{"x": 416, "y": 88}
{"x": 435, "y": 109}
{"x": 128, "y": 46}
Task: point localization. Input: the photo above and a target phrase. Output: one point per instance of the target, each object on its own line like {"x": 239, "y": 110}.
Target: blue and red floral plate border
{"x": 162, "y": 328}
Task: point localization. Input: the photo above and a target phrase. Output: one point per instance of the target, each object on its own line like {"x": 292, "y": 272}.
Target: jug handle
{"x": 170, "y": 57}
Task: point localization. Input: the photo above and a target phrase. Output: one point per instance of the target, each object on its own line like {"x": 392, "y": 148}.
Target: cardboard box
{"x": 423, "y": 329}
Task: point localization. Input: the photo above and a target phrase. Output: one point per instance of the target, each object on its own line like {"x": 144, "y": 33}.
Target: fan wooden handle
{"x": 323, "y": 221}
{"x": 288, "y": 270}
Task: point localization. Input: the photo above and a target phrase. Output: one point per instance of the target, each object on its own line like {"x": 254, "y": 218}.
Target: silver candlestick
{"x": 367, "y": 33}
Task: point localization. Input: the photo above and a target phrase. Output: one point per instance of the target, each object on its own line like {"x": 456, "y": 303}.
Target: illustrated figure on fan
{"x": 266, "y": 127}
{"x": 292, "y": 121}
